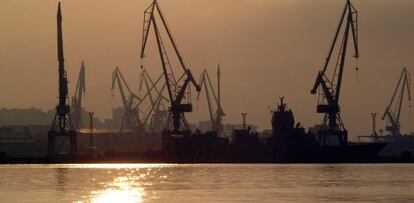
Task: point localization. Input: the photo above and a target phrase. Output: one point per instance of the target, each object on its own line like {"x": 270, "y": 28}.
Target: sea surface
{"x": 207, "y": 183}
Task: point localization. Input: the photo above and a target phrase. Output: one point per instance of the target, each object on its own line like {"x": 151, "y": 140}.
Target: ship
{"x": 290, "y": 143}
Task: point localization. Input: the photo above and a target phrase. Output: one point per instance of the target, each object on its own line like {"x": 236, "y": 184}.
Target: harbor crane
{"x": 62, "y": 125}
{"x": 177, "y": 89}
{"x": 332, "y": 131}
{"x": 393, "y": 111}
{"x": 130, "y": 119}
{"x": 216, "y": 117}
{"x": 77, "y": 99}
{"x": 157, "y": 112}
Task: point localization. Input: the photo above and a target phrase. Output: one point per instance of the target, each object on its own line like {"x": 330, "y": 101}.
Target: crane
{"x": 130, "y": 119}
{"x": 332, "y": 131}
{"x": 393, "y": 110}
{"x": 177, "y": 89}
{"x": 216, "y": 117}
{"x": 62, "y": 125}
{"x": 157, "y": 102}
{"x": 77, "y": 99}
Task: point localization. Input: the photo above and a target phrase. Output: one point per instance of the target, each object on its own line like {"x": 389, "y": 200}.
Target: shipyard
{"x": 141, "y": 101}
{"x": 152, "y": 123}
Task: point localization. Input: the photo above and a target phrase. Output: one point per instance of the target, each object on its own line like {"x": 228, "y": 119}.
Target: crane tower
{"x": 332, "y": 131}
{"x": 62, "y": 125}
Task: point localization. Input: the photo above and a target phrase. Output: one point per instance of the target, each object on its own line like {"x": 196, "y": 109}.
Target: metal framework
{"x": 177, "y": 88}
{"x": 130, "y": 119}
{"x": 216, "y": 118}
{"x": 156, "y": 113}
{"x": 62, "y": 125}
{"x": 393, "y": 111}
{"x": 332, "y": 131}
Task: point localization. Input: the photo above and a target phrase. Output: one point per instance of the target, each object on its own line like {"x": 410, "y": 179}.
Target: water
{"x": 207, "y": 183}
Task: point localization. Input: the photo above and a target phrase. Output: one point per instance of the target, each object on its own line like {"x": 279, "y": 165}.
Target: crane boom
{"x": 215, "y": 117}
{"x": 332, "y": 124}
{"x": 207, "y": 91}
{"x": 393, "y": 114}
{"x": 156, "y": 101}
{"x": 176, "y": 91}
{"x": 77, "y": 99}
{"x": 130, "y": 119}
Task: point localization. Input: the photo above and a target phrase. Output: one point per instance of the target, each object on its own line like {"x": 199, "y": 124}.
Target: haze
{"x": 266, "y": 49}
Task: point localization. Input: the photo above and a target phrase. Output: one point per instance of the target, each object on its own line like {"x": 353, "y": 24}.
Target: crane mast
{"x": 77, "y": 99}
{"x": 176, "y": 88}
{"x": 393, "y": 114}
{"x": 332, "y": 131}
{"x": 130, "y": 119}
{"x": 216, "y": 117}
{"x": 62, "y": 125}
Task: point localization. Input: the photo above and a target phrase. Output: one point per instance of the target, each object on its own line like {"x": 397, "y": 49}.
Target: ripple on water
{"x": 207, "y": 182}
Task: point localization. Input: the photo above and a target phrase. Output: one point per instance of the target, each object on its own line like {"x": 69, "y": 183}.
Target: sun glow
{"x": 125, "y": 195}
{"x": 111, "y": 166}
{"x": 122, "y": 189}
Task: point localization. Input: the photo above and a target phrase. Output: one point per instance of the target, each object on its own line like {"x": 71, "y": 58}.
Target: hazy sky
{"x": 266, "y": 48}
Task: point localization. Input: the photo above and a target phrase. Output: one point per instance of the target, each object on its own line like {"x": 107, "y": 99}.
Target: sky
{"x": 266, "y": 49}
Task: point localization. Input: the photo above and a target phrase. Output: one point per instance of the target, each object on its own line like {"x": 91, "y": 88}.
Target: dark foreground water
{"x": 207, "y": 183}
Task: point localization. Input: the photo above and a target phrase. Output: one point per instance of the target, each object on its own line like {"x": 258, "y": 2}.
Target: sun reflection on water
{"x": 122, "y": 182}
{"x": 122, "y": 189}
{"x": 111, "y": 195}
{"x": 114, "y": 166}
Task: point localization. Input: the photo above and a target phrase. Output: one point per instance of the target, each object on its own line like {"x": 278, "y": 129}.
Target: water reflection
{"x": 61, "y": 178}
{"x": 122, "y": 194}
{"x": 121, "y": 189}
{"x": 207, "y": 183}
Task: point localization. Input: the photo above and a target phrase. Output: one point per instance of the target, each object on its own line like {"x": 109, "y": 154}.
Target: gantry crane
{"x": 216, "y": 117}
{"x": 62, "y": 125}
{"x": 130, "y": 119}
{"x": 77, "y": 99}
{"x": 393, "y": 110}
{"x": 332, "y": 131}
{"x": 177, "y": 89}
{"x": 156, "y": 112}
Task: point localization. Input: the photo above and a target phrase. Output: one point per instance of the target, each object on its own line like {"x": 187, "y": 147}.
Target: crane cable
{"x": 357, "y": 71}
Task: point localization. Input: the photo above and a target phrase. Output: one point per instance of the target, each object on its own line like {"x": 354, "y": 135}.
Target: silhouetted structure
{"x": 216, "y": 117}
{"x": 156, "y": 114}
{"x": 62, "y": 125}
{"x": 176, "y": 123}
{"x": 130, "y": 119}
{"x": 77, "y": 98}
{"x": 374, "y": 126}
{"x": 290, "y": 142}
{"x": 332, "y": 131}
{"x": 393, "y": 110}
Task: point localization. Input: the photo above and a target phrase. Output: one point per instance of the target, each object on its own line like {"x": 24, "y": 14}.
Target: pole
{"x": 374, "y": 127}
{"x": 91, "y": 144}
{"x": 244, "y": 115}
